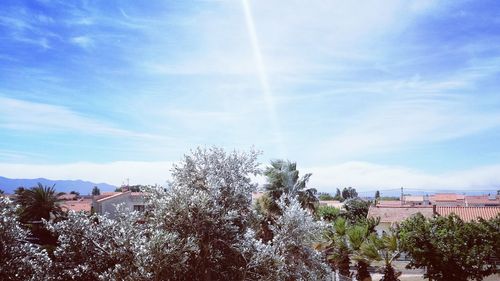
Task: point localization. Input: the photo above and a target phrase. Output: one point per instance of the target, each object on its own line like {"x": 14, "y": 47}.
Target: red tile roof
{"x": 447, "y": 197}
{"x": 469, "y": 213}
{"x": 84, "y": 205}
{"x": 392, "y": 214}
{"x": 482, "y": 199}
{"x": 67, "y": 196}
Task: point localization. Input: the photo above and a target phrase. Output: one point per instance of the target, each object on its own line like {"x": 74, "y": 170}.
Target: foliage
{"x": 294, "y": 233}
{"x": 201, "y": 227}
{"x": 338, "y": 195}
{"x": 377, "y": 195}
{"x": 19, "y": 259}
{"x": 356, "y": 209}
{"x": 98, "y": 248}
{"x": 451, "y": 249}
{"x": 75, "y": 193}
{"x": 133, "y": 188}
{"x": 37, "y": 203}
{"x": 325, "y": 196}
{"x": 96, "y": 191}
{"x": 389, "y": 249}
{"x": 328, "y": 213}
{"x": 349, "y": 193}
{"x": 351, "y": 241}
{"x": 283, "y": 178}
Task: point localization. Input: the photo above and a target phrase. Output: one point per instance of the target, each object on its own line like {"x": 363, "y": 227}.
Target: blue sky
{"x": 359, "y": 93}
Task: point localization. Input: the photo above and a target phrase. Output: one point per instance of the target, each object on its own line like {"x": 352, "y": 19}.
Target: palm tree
{"x": 363, "y": 245}
{"x": 337, "y": 248}
{"x": 356, "y": 242}
{"x": 389, "y": 250}
{"x": 283, "y": 178}
{"x": 37, "y": 203}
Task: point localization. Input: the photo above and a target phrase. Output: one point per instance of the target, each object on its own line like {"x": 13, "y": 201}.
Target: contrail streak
{"x": 263, "y": 78}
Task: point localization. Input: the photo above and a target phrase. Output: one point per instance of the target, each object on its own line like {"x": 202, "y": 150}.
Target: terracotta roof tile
{"x": 77, "y": 206}
{"x": 469, "y": 213}
{"x": 447, "y": 197}
{"x": 398, "y": 214}
{"x": 482, "y": 199}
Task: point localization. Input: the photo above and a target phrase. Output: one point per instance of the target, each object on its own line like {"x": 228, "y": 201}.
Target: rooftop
{"x": 392, "y": 214}
{"x": 84, "y": 205}
{"x": 469, "y": 213}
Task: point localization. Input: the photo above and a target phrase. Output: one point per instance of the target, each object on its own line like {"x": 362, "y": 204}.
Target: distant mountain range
{"x": 83, "y": 187}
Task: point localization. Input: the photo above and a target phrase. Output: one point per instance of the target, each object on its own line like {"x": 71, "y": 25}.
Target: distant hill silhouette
{"x": 83, "y": 187}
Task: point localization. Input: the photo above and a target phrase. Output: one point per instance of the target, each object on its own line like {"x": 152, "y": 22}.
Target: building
{"x": 469, "y": 213}
{"x": 106, "y": 203}
{"x": 482, "y": 201}
{"x": 447, "y": 199}
{"x": 419, "y": 200}
{"x": 81, "y": 205}
{"x": 391, "y": 215}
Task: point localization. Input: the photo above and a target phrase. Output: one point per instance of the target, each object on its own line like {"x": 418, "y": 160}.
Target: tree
{"x": 328, "y": 213}
{"x": 75, "y": 193}
{"x": 336, "y": 247}
{"x": 19, "y": 259}
{"x": 294, "y": 233}
{"x": 200, "y": 227}
{"x": 325, "y": 196}
{"x": 351, "y": 241}
{"x": 356, "y": 209}
{"x": 338, "y": 195}
{"x": 389, "y": 249}
{"x": 377, "y": 195}
{"x": 283, "y": 178}
{"x": 451, "y": 249}
{"x": 99, "y": 248}
{"x": 37, "y": 203}
{"x": 363, "y": 247}
{"x": 348, "y": 193}
{"x": 96, "y": 191}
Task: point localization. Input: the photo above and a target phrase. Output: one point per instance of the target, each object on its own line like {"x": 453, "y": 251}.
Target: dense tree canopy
{"x": 19, "y": 259}
{"x": 200, "y": 227}
{"x": 349, "y": 193}
{"x": 451, "y": 249}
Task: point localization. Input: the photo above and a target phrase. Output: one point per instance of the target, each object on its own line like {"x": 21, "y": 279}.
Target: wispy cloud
{"x": 349, "y": 80}
{"x": 370, "y": 176}
{"x": 32, "y": 116}
{"x": 82, "y": 41}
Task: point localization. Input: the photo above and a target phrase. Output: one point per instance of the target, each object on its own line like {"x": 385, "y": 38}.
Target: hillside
{"x": 83, "y": 187}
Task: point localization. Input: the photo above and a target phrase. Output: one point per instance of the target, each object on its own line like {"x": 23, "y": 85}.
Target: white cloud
{"x": 369, "y": 176}
{"x": 361, "y": 175}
